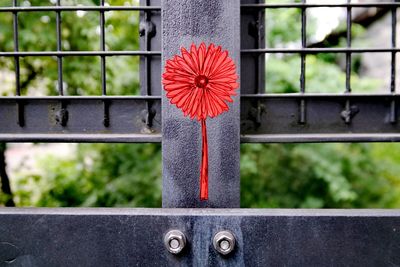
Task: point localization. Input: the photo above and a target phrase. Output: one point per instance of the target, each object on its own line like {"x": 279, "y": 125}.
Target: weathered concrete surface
{"x": 185, "y": 22}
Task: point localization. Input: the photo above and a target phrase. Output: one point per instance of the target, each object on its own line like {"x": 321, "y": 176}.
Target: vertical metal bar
{"x": 20, "y": 107}
{"x": 260, "y": 71}
{"x": 59, "y": 48}
{"x": 253, "y": 37}
{"x": 393, "y": 66}
{"x": 186, "y": 22}
{"x": 62, "y": 115}
{"x": 147, "y": 16}
{"x": 147, "y": 64}
{"x": 106, "y": 116}
{"x": 150, "y": 67}
{"x": 260, "y": 75}
{"x": 347, "y": 117}
{"x": 302, "y": 117}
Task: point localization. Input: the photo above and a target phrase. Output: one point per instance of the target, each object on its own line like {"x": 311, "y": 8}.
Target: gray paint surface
{"x": 184, "y": 23}
{"x": 134, "y": 237}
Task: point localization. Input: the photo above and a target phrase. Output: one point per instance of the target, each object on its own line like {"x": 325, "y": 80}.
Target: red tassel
{"x": 204, "y": 163}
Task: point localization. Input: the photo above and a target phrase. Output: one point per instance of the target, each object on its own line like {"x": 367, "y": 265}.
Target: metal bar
{"x": 243, "y": 51}
{"x": 62, "y": 113}
{"x": 303, "y": 45}
{"x": 277, "y": 122}
{"x": 156, "y": 138}
{"x": 185, "y": 22}
{"x": 16, "y": 49}
{"x": 82, "y": 138}
{"x": 348, "y": 46}
{"x": 264, "y": 237}
{"x": 252, "y": 37}
{"x": 150, "y": 39}
{"x": 85, "y": 116}
{"x": 320, "y": 138}
{"x": 69, "y": 97}
{"x": 20, "y": 107}
{"x": 317, "y": 50}
{"x": 315, "y": 95}
{"x": 393, "y": 115}
{"x": 302, "y": 116}
{"x": 79, "y": 53}
{"x": 103, "y": 48}
{"x": 59, "y": 48}
{"x": 146, "y": 85}
{"x": 303, "y": 5}
{"x": 76, "y": 8}
{"x": 325, "y": 117}
{"x": 260, "y": 72}
{"x": 347, "y": 112}
{"x": 106, "y": 115}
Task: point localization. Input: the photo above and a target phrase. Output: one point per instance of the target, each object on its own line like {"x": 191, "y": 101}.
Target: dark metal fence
{"x": 301, "y": 117}
{"x": 126, "y": 237}
{"x": 109, "y": 118}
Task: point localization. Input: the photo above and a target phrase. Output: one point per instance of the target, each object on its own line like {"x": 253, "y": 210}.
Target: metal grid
{"x": 302, "y": 117}
{"x": 322, "y": 117}
{"x": 66, "y": 122}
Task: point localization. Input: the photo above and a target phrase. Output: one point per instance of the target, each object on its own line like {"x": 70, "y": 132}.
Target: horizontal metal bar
{"x": 83, "y": 118}
{"x": 317, "y": 95}
{"x": 319, "y": 138}
{"x": 79, "y": 53}
{"x": 134, "y": 237}
{"x": 275, "y": 118}
{"x": 318, "y": 50}
{"x": 244, "y": 51}
{"x": 156, "y": 138}
{"x": 305, "y": 5}
{"x": 80, "y": 138}
{"x": 80, "y": 7}
{"x": 88, "y": 98}
{"x": 271, "y": 118}
{"x": 200, "y": 212}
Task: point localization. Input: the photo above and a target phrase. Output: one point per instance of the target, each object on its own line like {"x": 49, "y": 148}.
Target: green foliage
{"x": 101, "y": 175}
{"x": 320, "y": 176}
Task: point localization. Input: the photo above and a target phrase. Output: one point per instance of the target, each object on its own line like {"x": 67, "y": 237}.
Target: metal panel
{"x": 275, "y": 118}
{"x": 134, "y": 237}
{"x": 185, "y": 22}
{"x": 264, "y": 118}
{"x": 150, "y": 65}
{"x": 150, "y": 40}
{"x": 252, "y": 36}
{"x": 44, "y": 116}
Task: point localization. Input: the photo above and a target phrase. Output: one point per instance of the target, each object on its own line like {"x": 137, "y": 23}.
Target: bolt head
{"x": 224, "y": 242}
{"x": 175, "y": 241}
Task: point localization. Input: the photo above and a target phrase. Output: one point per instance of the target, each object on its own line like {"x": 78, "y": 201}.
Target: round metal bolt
{"x": 224, "y": 242}
{"x": 175, "y": 241}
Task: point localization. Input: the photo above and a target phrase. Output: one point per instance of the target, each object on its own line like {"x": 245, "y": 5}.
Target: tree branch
{"x": 5, "y": 181}
{"x": 365, "y": 18}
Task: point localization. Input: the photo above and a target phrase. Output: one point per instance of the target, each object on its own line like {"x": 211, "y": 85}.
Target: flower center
{"x": 201, "y": 81}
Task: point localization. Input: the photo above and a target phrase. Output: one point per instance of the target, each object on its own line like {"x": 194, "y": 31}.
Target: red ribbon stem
{"x": 204, "y": 163}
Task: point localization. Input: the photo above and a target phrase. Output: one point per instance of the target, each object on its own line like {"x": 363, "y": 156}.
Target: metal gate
{"x": 142, "y": 237}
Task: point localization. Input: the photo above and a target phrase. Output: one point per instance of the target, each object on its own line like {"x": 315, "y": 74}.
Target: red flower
{"x": 200, "y": 82}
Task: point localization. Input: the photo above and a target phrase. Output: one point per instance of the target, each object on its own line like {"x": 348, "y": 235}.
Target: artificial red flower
{"x": 200, "y": 82}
